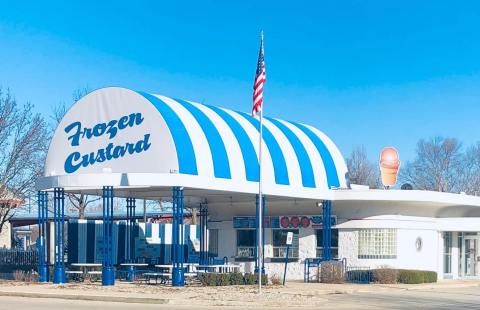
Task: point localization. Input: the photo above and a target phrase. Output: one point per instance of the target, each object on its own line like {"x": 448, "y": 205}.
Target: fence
{"x": 315, "y": 264}
{"x": 360, "y": 275}
{"x": 12, "y": 258}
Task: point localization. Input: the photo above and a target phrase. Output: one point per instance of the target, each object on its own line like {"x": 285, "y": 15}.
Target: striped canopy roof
{"x": 211, "y": 143}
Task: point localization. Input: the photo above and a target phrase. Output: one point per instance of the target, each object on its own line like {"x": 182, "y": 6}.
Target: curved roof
{"x": 152, "y": 140}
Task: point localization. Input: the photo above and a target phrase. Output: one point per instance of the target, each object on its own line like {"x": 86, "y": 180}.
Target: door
{"x": 471, "y": 253}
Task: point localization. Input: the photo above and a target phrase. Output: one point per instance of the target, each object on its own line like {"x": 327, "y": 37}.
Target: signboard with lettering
{"x": 115, "y": 130}
{"x": 249, "y": 222}
{"x": 289, "y": 238}
{"x": 300, "y": 221}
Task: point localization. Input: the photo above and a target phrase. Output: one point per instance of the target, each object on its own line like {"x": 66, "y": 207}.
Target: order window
{"x": 279, "y": 242}
{"x": 246, "y": 240}
{"x": 213, "y": 242}
{"x": 334, "y": 243}
{"x": 377, "y": 243}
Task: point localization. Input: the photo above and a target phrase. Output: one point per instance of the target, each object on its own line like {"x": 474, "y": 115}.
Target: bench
{"x": 94, "y": 275}
{"x": 76, "y": 275}
{"x": 163, "y": 276}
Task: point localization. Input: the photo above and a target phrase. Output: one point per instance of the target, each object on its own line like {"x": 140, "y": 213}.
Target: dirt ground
{"x": 309, "y": 295}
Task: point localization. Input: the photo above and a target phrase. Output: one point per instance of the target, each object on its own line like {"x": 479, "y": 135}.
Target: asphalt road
{"x": 452, "y": 298}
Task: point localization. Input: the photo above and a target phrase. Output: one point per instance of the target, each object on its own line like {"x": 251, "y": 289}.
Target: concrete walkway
{"x": 293, "y": 294}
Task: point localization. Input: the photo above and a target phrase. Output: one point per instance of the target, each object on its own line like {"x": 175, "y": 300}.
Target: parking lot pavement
{"x": 451, "y": 298}
{"x": 392, "y": 298}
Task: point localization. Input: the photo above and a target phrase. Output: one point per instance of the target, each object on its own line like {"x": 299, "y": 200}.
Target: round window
{"x": 418, "y": 244}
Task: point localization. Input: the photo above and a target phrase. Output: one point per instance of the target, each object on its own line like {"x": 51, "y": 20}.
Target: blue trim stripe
{"x": 121, "y": 241}
{"x": 186, "y": 234}
{"x": 72, "y": 230}
{"x": 248, "y": 151}
{"x": 90, "y": 257}
{"x": 148, "y": 230}
{"x": 279, "y": 163}
{"x": 221, "y": 165}
{"x": 328, "y": 162}
{"x": 308, "y": 179}
{"x": 187, "y": 162}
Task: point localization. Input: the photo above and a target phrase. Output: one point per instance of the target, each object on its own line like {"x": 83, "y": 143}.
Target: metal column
{"x": 130, "y": 231}
{"x": 203, "y": 234}
{"x": 130, "y": 238}
{"x": 263, "y": 233}
{"x": 327, "y": 230}
{"x": 59, "y": 232}
{"x": 43, "y": 272}
{"x": 178, "y": 276}
{"x": 108, "y": 275}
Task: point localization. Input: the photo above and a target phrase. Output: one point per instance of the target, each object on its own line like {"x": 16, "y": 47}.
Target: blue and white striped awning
{"x": 185, "y": 143}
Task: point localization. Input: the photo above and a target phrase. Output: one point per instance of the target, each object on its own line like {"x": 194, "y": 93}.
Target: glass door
{"x": 470, "y": 257}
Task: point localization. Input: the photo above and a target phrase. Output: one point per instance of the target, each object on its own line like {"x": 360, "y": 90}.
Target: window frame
{"x": 377, "y": 243}
{"x": 278, "y": 251}
{"x": 212, "y": 245}
{"x": 447, "y": 252}
{"x": 319, "y": 247}
{"x": 250, "y": 249}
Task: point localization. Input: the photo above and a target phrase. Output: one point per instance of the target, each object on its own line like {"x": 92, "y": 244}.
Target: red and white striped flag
{"x": 260, "y": 78}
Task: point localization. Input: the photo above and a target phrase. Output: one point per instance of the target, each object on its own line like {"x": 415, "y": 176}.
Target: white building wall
{"x": 295, "y": 269}
{"x": 455, "y": 255}
{"x": 407, "y": 255}
{"x": 430, "y": 257}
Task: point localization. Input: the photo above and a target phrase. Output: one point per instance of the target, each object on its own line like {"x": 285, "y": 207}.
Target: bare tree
{"x": 470, "y": 179}
{"x": 361, "y": 170}
{"x": 438, "y": 165}
{"x": 78, "y": 201}
{"x": 81, "y": 202}
{"x": 23, "y": 145}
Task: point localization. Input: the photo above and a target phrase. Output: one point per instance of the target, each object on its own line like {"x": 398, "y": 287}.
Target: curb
{"x": 130, "y": 300}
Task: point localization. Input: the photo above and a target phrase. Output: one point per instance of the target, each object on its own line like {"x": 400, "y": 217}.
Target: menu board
{"x": 249, "y": 222}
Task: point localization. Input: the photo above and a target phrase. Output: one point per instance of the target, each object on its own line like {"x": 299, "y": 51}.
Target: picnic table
{"x": 165, "y": 272}
{"x": 131, "y": 269}
{"x": 87, "y": 269}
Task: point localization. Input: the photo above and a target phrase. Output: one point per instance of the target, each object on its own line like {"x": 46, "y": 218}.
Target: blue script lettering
{"x": 111, "y": 128}
{"x": 76, "y": 160}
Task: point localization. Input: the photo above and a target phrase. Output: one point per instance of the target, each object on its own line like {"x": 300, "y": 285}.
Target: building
{"x": 144, "y": 145}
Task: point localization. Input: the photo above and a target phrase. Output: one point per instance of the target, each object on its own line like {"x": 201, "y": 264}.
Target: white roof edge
{"x": 154, "y": 181}
{"x": 464, "y": 224}
{"x": 407, "y": 196}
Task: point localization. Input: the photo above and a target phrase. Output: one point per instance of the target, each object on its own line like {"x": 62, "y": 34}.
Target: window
{"x": 246, "y": 240}
{"x": 213, "y": 242}
{"x": 377, "y": 243}
{"x": 447, "y": 252}
{"x": 334, "y": 243}
{"x": 279, "y": 242}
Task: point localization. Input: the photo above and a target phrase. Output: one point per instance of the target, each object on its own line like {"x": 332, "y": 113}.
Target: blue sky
{"x": 375, "y": 73}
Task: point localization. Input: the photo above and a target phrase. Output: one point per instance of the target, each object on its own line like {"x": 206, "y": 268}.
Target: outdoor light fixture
{"x": 320, "y": 204}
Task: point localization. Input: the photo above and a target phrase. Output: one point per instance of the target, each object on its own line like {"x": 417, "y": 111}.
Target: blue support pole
{"x": 127, "y": 233}
{"x": 43, "y": 273}
{"x": 130, "y": 238}
{"x": 59, "y": 231}
{"x": 108, "y": 274}
{"x": 203, "y": 235}
{"x": 133, "y": 224}
{"x": 178, "y": 276}
{"x": 327, "y": 230}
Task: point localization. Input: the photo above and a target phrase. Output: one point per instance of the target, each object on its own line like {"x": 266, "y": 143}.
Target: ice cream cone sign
{"x": 389, "y": 165}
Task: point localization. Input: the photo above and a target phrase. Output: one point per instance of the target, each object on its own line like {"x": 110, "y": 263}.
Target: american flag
{"x": 260, "y": 78}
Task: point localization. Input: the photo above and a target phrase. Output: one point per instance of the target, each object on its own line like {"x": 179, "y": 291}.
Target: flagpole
{"x": 260, "y": 200}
